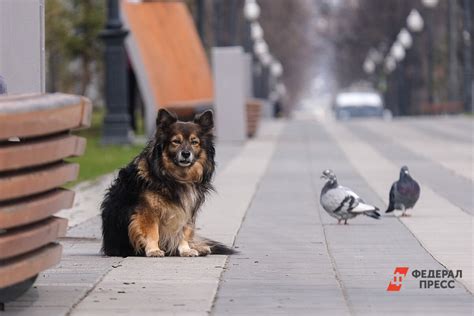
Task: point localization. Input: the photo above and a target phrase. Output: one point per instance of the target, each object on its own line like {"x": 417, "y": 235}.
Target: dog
{"x": 151, "y": 207}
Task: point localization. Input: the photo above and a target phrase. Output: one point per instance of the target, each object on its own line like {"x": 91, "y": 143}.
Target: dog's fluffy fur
{"x": 151, "y": 207}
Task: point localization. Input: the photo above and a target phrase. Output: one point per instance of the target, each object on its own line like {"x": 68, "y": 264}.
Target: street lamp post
{"x": 276, "y": 70}
{"x": 405, "y": 38}
{"x": 254, "y": 33}
{"x": 430, "y": 4}
{"x": 468, "y": 106}
{"x": 224, "y": 22}
{"x": 373, "y": 59}
{"x": 406, "y": 41}
{"x": 200, "y": 18}
{"x": 398, "y": 53}
{"x": 116, "y": 128}
{"x": 415, "y": 24}
{"x": 265, "y": 60}
{"x": 389, "y": 66}
{"x": 257, "y": 36}
{"x": 453, "y": 83}
{"x": 251, "y": 14}
{"x": 247, "y": 37}
{"x": 265, "y": 82}
{"x": 260, "y": 49}
{"x": 257, "y": 78}
{"x": 369, "y": 68}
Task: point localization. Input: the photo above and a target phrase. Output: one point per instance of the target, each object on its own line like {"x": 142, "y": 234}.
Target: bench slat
{"x": 45, "y": 121}
{"x": 33, "y": 209}
{"x": 20, "y": 268}
{"x": 27, "y": 238}
{"x": 36, "y": 181}
{"x": 31, "y": 102}
{"x": 39, "y": 152}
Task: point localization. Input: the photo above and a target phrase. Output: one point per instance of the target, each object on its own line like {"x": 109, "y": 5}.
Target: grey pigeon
{"x": 341, "y": 202}
{"x": 404, "y": 193}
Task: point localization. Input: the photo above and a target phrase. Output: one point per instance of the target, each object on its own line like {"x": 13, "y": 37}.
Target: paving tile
{"x": 289, "y": 234}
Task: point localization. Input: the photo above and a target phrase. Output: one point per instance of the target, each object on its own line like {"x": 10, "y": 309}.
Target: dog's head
{"x": 186, "y": 148}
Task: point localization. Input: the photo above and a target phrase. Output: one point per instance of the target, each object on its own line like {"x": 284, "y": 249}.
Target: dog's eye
{"x": 194, "y": 142}
{"x": 176, "y": 142}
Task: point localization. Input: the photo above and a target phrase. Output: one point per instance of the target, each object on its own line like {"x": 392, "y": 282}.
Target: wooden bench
{"x": 34, "y": 141}
{"x": 170, "y": 61}
{"x": 168, "y": 58}
{"x": 254, "y": 113}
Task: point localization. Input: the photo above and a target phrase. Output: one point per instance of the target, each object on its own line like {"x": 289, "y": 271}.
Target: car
{"x": 354, "y": 104}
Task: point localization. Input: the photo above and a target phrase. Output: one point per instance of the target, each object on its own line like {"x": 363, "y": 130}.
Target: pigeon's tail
{"x": 373, "y": 213}
{"x": 391, "y": 199}
{"x": 368, "y": 210}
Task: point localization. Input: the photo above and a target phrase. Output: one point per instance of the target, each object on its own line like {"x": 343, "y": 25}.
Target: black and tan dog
{"x": 151, "y": 207}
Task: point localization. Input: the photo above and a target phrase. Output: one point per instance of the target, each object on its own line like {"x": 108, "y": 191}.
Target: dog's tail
{"x": 218, "y": 248}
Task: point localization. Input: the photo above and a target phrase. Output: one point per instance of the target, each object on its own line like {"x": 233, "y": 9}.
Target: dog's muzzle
{"x": 185, "y": 158}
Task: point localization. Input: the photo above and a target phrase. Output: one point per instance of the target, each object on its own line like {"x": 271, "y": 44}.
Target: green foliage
{"x": 58, "y": 26}
{"x": 72, "y": 35}
{"x": 87, "y": 20}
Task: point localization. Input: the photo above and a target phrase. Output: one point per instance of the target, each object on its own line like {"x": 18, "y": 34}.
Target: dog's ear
{"x": 205, "y": 120}
{"x": 165, "y": 118}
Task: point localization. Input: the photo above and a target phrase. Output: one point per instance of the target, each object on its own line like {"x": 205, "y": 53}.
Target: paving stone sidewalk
{"x": 294, "y": 259}
{"x": 86, "y": 283}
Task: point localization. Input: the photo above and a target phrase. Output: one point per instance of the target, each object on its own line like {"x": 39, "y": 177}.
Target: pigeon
{"x": 404, "y": 193}
{"x": 341, "y": 202}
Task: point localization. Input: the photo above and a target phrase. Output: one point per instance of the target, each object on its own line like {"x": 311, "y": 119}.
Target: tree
{"x": 85, "y": 46}
{"x": 72, "y": 38}
{"x": 57, "y": 29}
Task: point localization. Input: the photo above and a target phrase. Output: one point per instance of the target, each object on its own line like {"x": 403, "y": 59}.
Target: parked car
{"x": 353, "y": 104}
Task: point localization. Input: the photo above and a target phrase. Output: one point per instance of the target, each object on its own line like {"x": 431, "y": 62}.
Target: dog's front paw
{"x": 189, "y": 253}
{"x": 155, "y": 253}
{"x": 203, "y": 250}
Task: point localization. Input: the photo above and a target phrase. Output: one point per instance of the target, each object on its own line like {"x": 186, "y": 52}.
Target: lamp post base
{"x": 116, "y": 130}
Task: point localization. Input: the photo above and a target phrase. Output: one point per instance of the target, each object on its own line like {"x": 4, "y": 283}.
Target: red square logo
{"x": 398, "y": 275}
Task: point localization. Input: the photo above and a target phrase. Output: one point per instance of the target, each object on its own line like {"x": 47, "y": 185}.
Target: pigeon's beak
{"x": 323, "y": 176}
{"x": 406, "y": 172}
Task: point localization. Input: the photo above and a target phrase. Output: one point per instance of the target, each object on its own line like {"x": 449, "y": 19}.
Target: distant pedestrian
{"x": 3, "y": 86}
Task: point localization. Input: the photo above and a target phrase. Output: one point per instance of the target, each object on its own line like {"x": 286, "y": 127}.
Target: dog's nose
{"x": 185, "y": 154}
